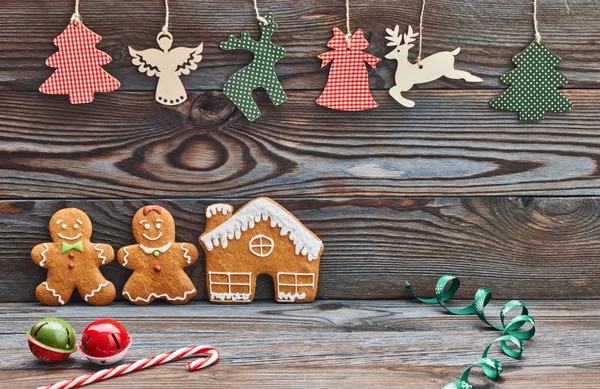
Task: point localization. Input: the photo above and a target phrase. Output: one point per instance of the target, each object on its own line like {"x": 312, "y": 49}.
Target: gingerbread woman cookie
{"x": 73, "y": 261}
{"x": 157, "y": 260}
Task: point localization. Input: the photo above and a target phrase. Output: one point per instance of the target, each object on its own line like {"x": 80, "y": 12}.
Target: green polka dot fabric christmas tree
{"x": 260, "y": 73}
{"x": 533, "y": 85}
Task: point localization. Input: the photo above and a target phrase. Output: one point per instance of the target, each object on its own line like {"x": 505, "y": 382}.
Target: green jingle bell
{"x": 52, "y": 340}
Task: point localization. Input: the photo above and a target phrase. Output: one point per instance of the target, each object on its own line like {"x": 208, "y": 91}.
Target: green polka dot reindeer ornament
{"x": 533, "y": 84}
{"x": 260, "y": 73}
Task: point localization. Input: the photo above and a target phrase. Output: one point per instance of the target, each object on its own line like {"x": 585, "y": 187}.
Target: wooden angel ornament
{"x": 426, "y": 70}
{"x": 347, "y": 87}
{"x": 168, "y": 65}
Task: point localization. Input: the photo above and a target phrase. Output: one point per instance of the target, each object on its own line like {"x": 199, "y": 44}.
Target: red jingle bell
{"x": 105, "y": 342}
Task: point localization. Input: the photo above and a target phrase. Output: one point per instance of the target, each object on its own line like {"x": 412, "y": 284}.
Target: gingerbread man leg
{"x": 139, "y": 289}
{"x": 96, "y": 290}
{"x": 54, "y": 293}
{"x": 182, "y": 292}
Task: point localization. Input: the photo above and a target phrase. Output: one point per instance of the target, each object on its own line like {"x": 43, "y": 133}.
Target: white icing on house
{"x": 289, "y": 297}
{"x": 261, "y": 245}
{"x": 100, "y": 254}
{"x": 212, "y": 210}
{"x": 234, "y": 297}
{"x": 263, "y": 209}
{"x": 43, "y": 261}
{"x": 238, "y": 297}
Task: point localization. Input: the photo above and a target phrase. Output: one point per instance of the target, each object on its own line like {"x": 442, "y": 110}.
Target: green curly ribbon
{"x": 511, "y": 332}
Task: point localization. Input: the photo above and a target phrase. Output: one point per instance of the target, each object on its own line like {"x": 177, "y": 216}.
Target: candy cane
{"x": 210, "y": 359}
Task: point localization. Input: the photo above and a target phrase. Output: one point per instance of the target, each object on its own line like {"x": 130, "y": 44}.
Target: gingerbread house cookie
{"x": 262, "y": 237}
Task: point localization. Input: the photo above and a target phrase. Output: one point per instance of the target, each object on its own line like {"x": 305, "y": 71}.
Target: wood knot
{"x": 210, "y": 108}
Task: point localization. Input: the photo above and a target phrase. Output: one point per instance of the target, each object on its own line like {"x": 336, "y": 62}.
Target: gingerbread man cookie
{"x": 157, "y": 260}
{"x": 73, "y": 261}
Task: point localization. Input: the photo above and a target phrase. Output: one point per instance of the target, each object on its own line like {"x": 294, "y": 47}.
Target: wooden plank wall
{"x": 448, "y": 186}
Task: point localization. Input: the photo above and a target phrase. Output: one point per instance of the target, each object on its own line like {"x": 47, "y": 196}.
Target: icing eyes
{"x": 75, "y": 226}
{"x": 63, "y": 226}
{"x": 158, "y": 225}
{"x": 147, "y": 226}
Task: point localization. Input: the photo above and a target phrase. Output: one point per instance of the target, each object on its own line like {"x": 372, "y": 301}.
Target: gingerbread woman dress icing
{"x": 73, "y": 261}
{"x": 157, "y": 260}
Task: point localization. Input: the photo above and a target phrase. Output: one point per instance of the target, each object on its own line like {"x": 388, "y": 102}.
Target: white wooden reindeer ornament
{"x": 428, "y": 69}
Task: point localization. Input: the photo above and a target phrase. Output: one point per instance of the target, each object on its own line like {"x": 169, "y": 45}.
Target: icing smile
{"x": 149, "y": 238}
{"x": 69, "y": 238}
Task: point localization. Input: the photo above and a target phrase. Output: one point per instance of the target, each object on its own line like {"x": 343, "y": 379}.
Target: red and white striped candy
{"x": 210, "y": 359}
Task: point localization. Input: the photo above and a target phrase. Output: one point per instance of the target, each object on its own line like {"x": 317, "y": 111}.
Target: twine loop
{"x": 419, "y": 56}
{"x": 165, "y": 28}
{"x": 258, "y": 17}
{"x": 76, "y": 17}
{"x": 538, "y": 36}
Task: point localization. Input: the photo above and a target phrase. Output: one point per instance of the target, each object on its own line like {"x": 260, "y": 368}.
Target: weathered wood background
{"x": 396, "y": 194}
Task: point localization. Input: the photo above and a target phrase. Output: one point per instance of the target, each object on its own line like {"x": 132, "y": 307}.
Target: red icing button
{"x": 157, "y": 268}
{"x": 71, "y": 266}
{"x": 71, "y": 255}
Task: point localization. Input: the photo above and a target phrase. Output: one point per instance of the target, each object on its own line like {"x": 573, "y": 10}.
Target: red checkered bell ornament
{"x": 105, "y": 342}
{"x": 347, "y": 87}
{"x": 78, "y": 64}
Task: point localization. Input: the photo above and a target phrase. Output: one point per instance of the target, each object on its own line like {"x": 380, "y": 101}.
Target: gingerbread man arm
{"x": 190, "y": 253}
{"x": 39, "y": 254}
{"x": 105, "y": 253}
{"x": 126, "y": 259}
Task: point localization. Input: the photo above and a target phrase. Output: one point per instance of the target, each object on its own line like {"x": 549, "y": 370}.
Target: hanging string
{"x": 421, "y": 33}
{"x": 538, "y": 37}
{"x": 258, "y": 17}
{"x": 165, "y": 28}
{"x": 76, "y": 17}
{"x": 348, "y": 31}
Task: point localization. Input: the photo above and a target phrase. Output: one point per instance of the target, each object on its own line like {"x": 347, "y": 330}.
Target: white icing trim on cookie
{"x": 93, "y": 292}
{"x": 233, "y": 297}
{"x": 43, "y": 261}
{"x": 186, "y": 253}
{"x": 263, "y": 209}
{"x": 150, "y": 250}
{"x": 54, "y": 293}
{"x": 68, "y": 237}
{"x": 125, "y": 257}
{"x": 164, "y": 295}
{"x": 213, "y": 209}
{"x": 100, "y": 254}
{"x": 289, "y": 297}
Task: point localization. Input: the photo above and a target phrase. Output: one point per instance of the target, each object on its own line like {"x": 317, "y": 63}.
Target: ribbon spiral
{"x": 513, "y": 332}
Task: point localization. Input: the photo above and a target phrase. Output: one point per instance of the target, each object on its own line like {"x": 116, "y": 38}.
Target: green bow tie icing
{"x": 513, "y": 332}
{"x": 68, "y": 247}
{"x": 260, "y": 73}
{"x": 533, "y": 85}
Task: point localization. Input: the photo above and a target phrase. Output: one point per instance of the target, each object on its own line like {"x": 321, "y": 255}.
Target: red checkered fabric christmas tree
{"x": 347, "y": 87}
{"x": 78, "y": 64}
